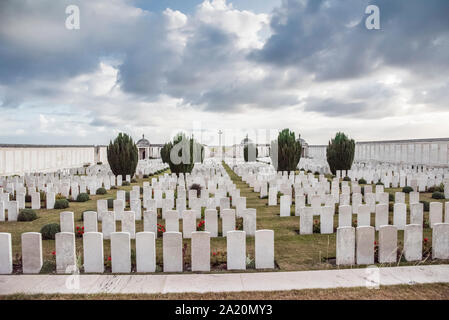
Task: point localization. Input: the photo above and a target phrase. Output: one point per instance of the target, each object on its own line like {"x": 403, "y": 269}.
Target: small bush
{"x": 27, "y": 215}
{"x": 391, "y": 197}
{"x": 110, "y": 203}
{"x": 426, "y": 205}
{"x": 362, "y": 181}
{"x": 133, "y": 180}
{"x": 145, "y": 176}
{"x": 407, "y": 189}
{"x": 346, "y": 178}
{"x": 379, "y": 183}
{"x": 114, "y": 188}
{"x": 196, "y": 187}
{"x": 316, "y": 173}
{"x": 101, "y": 191}
{"x": 437, "y": 195}
{"x": 61, "y": 204}
{"x": 28, "y": 198}
{"x": 59, "y": 196}
{"x": 125, "y": 183}
{"x": 99, "y": 163}
{"x": 82, "y": 197}
{"x": 431, "y": 190}
{"x": 49, "y": 230}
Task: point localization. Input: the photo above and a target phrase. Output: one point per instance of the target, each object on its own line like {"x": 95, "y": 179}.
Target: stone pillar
{"x": 32, "y": 252}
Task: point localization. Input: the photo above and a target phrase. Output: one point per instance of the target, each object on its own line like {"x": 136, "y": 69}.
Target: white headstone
{"x": 120, "y": 252}
{"x": 146, "y": 251}
{"x": 32, "y": 252}
{"x": 93, "y": 252}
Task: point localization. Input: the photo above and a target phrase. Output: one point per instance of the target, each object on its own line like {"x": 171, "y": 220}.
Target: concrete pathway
{"x": 201, "y": 283}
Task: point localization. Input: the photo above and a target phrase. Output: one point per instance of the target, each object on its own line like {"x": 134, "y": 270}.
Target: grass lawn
{"x": 293, "y": 252}
{"x": 435, "y": 291}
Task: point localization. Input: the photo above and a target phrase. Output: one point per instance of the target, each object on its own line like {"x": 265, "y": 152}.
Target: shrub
{"x": 288, "y": 151}
{"x": 59, "y": 196}
{"x": 61, "y": 204}
{"x": 252, "y": 150}
{"x": 114, "y": 188}
{"x": 437, "y": 195}
{"x": 340, "y": 152}
{"x": 196, "y": 187}
{"x": 194, "y": 153}
{"x": 391, "y": 197}
{"x": 407, "y": 189}
{"x": 99, "y": 163}
{"x": 362, "y": 181}
{"x": 431, "y": 189}
{"x": 346, "y": 178}
{"x": 123, "y": 155}
{"x": 49, "y": 230}
{"x": 133, "y": 180}
{"x": 28, "y": 198}
{"x": 145, "y": 176}
{"x": 426, "y": 205}
{"x": 316, "y": 173}
{"x": 82, "y": 197}
{"x": 27, "y": 215}
{"x": 125, "y": 183}
{"x": 101, "y": 191}
{"x": 110, "y": 203}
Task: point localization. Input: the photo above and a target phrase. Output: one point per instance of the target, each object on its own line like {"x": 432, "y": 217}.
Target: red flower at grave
{"x": 425, "y": 239}
{"x": 77, "y": 228}
{"x": 82, "y": 228}
{"x": 53, "y": 252}
{"x": 375, "y": 243}
{"x": 109, "y": 258}
{"x": 214, "y": 253}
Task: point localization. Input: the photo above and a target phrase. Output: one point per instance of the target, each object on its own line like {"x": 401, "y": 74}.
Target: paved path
{"x": 201, "y": 283}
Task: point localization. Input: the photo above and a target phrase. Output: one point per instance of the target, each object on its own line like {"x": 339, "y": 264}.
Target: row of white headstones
{"x": 236, "y": 240}
{"x": 354, "y": 245}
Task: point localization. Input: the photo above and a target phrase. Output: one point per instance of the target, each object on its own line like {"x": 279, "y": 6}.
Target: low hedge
{"x": 50, "y": 230}
{"x": 27, "y": 215}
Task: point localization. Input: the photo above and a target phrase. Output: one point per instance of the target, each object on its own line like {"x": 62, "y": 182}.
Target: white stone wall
{"x": 27, "y": 159}
{"x": 430, "y": 152}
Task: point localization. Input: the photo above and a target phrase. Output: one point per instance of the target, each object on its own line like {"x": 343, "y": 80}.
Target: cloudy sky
{"x": 242, "y": 66}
